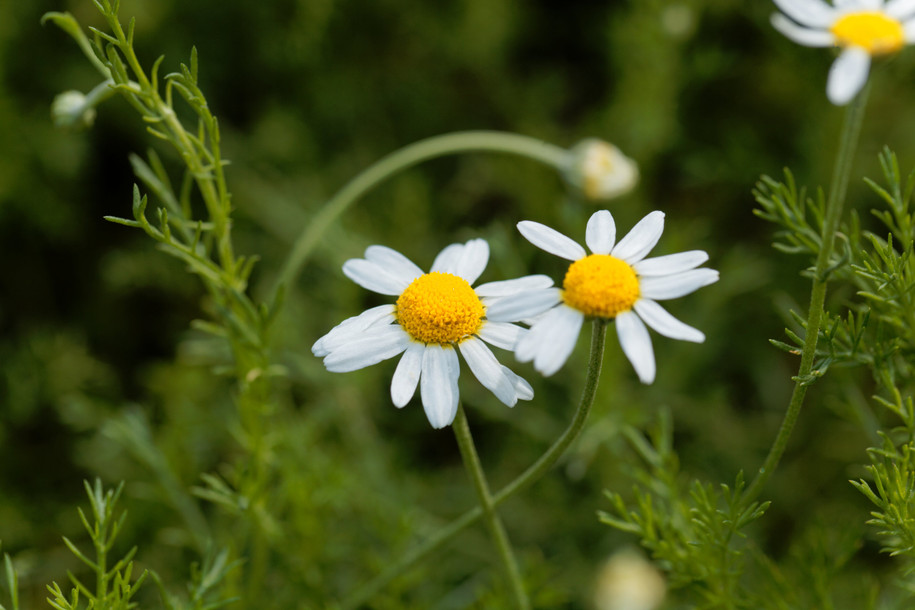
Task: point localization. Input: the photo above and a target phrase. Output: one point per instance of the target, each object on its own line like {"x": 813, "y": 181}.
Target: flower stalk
{"x": 490, "y": 516}
{"x": 402, "y": 159}
{"x": 835, "y": 204}
{"x": 533, "y": 473}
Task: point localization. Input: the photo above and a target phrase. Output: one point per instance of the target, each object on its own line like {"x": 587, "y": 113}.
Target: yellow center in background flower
{"x": 439, "y": 308}
{"x": 872, "y": 31}
{"x": 600, "y": 285}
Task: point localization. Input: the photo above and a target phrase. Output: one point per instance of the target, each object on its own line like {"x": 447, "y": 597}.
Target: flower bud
{"x": 628, "y": 581}
{"x": 599, "y": 170}
{"x": 72, "y": 109}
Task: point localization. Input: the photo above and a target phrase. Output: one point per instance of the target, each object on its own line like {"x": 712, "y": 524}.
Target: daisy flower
{"x": 861, "y": 28}
{"x": 615, "y": 282}
{"x": 436, "y": 315}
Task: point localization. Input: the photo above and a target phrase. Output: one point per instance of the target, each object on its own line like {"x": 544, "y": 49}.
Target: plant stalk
{"x": 835, "y": 204}
{"x": 524, "y": 480}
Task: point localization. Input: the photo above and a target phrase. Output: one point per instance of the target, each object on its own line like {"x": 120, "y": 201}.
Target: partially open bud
{"x": 600, "y": 171}
{"x": 72, "y": 109}
{"x": 628, "y": 581}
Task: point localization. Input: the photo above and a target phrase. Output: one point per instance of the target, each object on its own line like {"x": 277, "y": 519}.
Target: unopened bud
{"x": 72, "y": 109}
{"x": 628, "y": 581}
{"x": 600, "y": 171}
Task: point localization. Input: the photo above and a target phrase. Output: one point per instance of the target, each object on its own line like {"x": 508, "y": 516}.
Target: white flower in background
{"x": 599, "y": 170}
{"x": 436, "y": 315}
{"x": 72, "y": 109}
{"x": 616, "y": 282}
{"x": 628, "y": 581}
{"x": 862, "y": 29}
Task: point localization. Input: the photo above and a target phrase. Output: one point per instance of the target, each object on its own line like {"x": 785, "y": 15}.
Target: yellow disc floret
{"x": 600, "y": 285}
{"x": 439, "y": 308}
{"x": 872, "y": 31}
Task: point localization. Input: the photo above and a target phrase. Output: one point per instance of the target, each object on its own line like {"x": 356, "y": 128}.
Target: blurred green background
{"x": 101, "y": 376}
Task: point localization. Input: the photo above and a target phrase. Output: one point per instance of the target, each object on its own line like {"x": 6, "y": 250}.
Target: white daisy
{"x": 436, "y": 315}
{"x": 616, "y": 282}
{"x": 861, "y": 28}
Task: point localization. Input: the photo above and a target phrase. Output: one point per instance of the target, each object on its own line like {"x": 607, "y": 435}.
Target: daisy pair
{"x": 439, "y": 313}
{"x": 862, "y": 29}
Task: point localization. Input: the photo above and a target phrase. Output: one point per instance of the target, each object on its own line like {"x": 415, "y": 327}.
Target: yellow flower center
{"x": 871, "y": 30}
{"x": 439, "y": 308}
{"x": 600, "y": 285}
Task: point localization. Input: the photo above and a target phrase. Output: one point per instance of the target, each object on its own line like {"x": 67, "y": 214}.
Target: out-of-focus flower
{"x": 618, "y": 283}
{"x": 600, "y": 171}
{"x": 436, "y": 315}
{"x": 862, "y": 29}
{"x": 72, "y": 109}
{"x": 627, "y": 581}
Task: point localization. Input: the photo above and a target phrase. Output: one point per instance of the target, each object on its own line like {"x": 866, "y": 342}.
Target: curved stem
{"x": 524, "y": 480}
{"x": 490, "y": 516}
{"x": 851, "y": 128}
{"x": 399, "y": 160}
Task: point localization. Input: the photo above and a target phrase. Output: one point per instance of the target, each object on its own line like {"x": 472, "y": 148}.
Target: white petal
{"x": 463, "y": 260}
{"x": 551, "y": 240}
{"x": 636, "y": 345}
{"x": 860, "y": 5}
{"x": 641, "y": 239}
{"x": 673, "y": 286}
{"x": 393, "y": 262}
{"x": 847, "y": 75}
{"x": 900, "y": 9}
{"x": 660, "y": 319}
{"x": 500, "y": 334}
{"x": 550, "y": 342}
{"x": 406, "y": 375}
{"x": 601, "y": 232}
{"x": 351, "y": 328}
{"x": 371, "y": 347}
{"x": 523, "y": 389}
{"x": 438, "y": 384}
{"x": 374, "y": 277}
{"x": 508, "y": 287}
{"x": 521, "y": 306}
{"x": 488, "y": 371}
{"x": 812, "y": 13}
{"x": 670, "y": 264}
{"x": 908, "y": 28}
{"x": 801, "y": 35}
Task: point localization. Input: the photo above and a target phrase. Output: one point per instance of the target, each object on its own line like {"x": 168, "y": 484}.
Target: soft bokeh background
{"x": 101, "y": 376}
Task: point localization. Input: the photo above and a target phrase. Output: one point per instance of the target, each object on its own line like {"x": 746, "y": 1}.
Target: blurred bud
{"x": 628, "y": 581}
{"x": 72, "y": 109}
{"x": 679, "y": 21}
{"x": 600, "y": 171}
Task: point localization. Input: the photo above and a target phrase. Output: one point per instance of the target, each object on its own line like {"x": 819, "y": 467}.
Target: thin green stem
{"x": 524, "y": 480}
{"x": 215, "y": 198}
{"x": 490, "y": 516}
{"x": 851, "y": 129}
{"x": 406, "y": 157}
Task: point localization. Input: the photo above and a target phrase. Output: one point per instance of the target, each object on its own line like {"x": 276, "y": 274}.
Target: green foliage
{"x": 113, "y": 589}
{"x": 271, "y": 474}
{"x": 11, "y": 581}
{"x": 693, "y": 531}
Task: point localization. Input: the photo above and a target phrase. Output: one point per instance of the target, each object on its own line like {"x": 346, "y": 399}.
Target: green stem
{"x": 527, "y": 478}
{"x": 490, "y": 516}
{"x": 406, "y": 157}
{"x": 851, "y": 128}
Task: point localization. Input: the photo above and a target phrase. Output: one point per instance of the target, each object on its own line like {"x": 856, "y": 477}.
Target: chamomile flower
{"x": 436, "y": 315}
{"x": 615, "y": 282}
{"x": 861, "y": 28}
